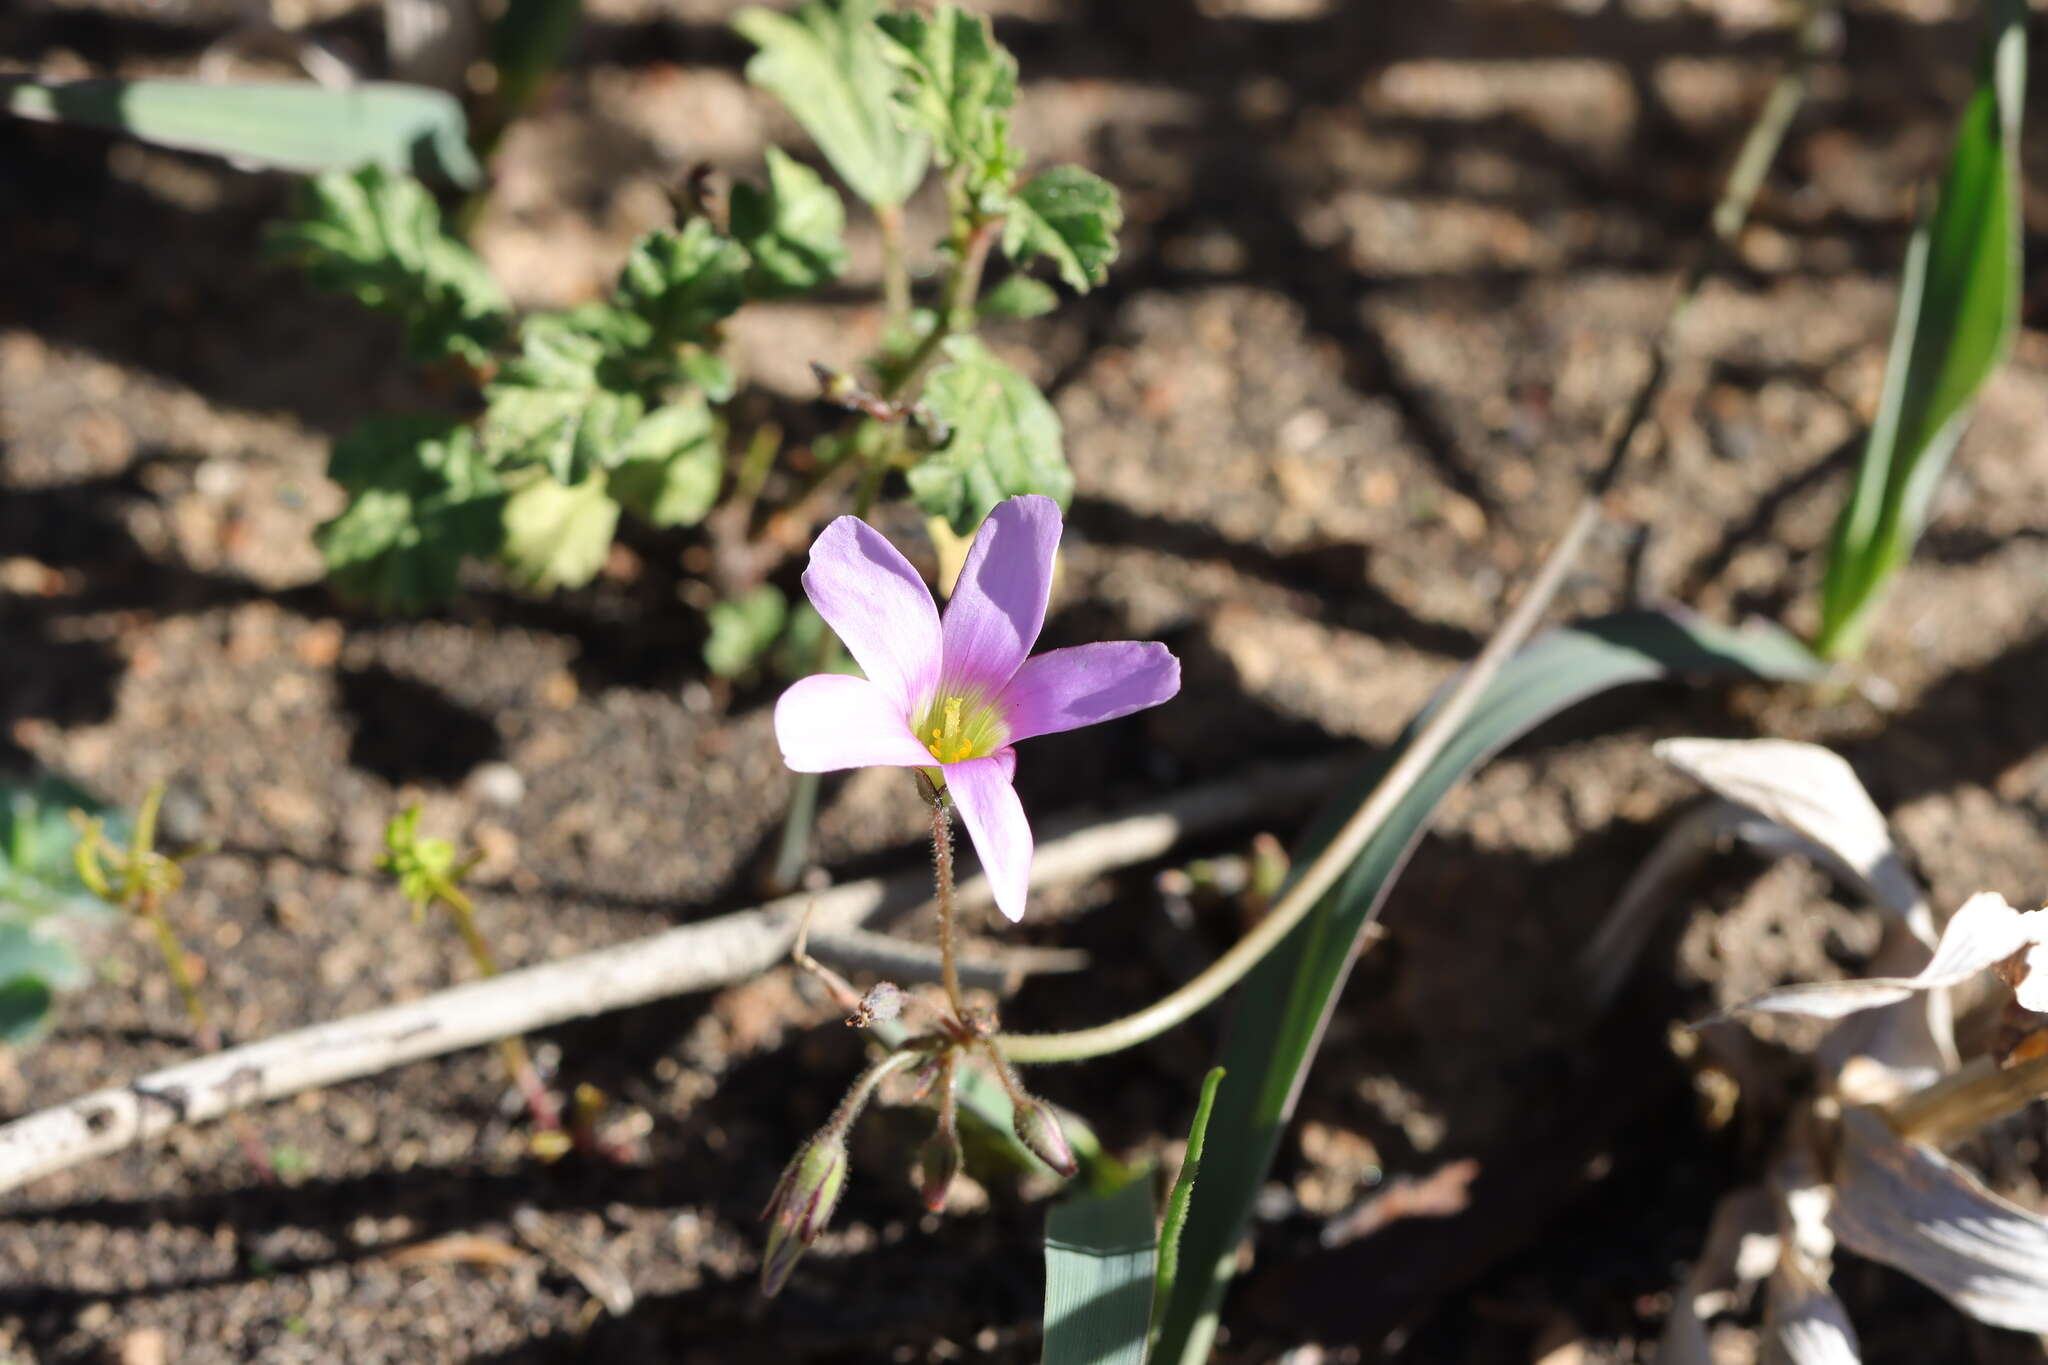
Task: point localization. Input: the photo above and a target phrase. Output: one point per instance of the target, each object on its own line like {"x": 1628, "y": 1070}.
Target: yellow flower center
{"x": 960, "y": 725}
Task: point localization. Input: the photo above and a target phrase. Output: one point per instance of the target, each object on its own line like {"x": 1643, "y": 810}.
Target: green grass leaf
{"x": 794, "y": 229}
{"x": 1959, "y": 301}
{"x": 1004, "y": 439}
{"x": 1283, "y": 1004}
{"x": 1071, "y": 216}
{"x": 558, "y": 535}
{"x": 422, "y": 499}
{"x": 376, "y": 235}
{"x": 827, "y": 63}
{"x": 285, "y": 125}
{"x": 1178, "y": 1200}
{"x": 958, "y": 86}
{"x": 1100, "y": 1257}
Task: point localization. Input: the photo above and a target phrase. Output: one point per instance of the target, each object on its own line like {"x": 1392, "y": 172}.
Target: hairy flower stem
{"x": 942, "y": 869}
{"x": 518, "y": 1061}
{"x": 1958, "y": 1105}
{"x": 1744, "y": 179}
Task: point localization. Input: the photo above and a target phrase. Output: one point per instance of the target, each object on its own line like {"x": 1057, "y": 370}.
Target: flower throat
{"x": 960, "y": 726}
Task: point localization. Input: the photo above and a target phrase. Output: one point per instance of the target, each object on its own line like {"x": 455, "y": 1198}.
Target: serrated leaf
{"x": 959, "y": 84}
{"x": 684, "y": 282}
{"x": 1100, "y": 1256}
{"x": 1071, "y": 216}
{"x": 672, "y": 469}
{"x": 1277, "y": 1024}
{"x": 423, "y": 499}
{"x": 794, "y": 229}
{"x": 827, "y": 64}
{"x": 556, "y": 535}
{"x": 1005, "y": 439}
{"x": 743, "y": 629}
{"x": 289, "y": 125}
{"x": 376, "y": 236}
{"x": 1959, "y": 301}
{"x": 552, "y": 406}
{"x": 1018, "y": 296}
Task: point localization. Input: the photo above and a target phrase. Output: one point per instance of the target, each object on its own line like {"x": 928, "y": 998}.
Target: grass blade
{"x": 1959, "y": 301}
{"x": 1284, "y": 1004}
{"x": 1177, "y": 1201}
{"x": 1100, "y": 1253}
{"x": 285, "y": 125}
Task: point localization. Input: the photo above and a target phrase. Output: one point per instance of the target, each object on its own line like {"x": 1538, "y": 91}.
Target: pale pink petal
{"x": 995, "y": 820}
{"x": 1007, "y": 756}
{"x": 881, "y": 609}
{"x": 832, "y": 721}
{"x": 1064, "y": 689}
{"x": 998, "y": 605}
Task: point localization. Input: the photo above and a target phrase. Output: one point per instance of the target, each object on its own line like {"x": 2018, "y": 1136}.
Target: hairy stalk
{"x": 1744, "y": 180}
{"x": 895, "y": 270}
{"x": 518, "y": 1061}
{"x": 1958, "y": 1105}
{"x": 942, "y": 866}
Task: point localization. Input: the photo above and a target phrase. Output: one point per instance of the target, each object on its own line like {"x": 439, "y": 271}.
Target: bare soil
{"x": 1389, "y": 274}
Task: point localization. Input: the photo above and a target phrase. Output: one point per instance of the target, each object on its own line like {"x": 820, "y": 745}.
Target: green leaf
{"x": 1100, "y": 1259}
{"x": 1018, "y": 296}
{"x": 827, "y": 64}
{"x": 552, "y": 406}
{"x": 423, "y": 498}
{"x": 672, "y": 467}
{"x": 1004, "y": 439}
{"x": 1280, "y": 1009}
{"x": 1959, "y": 304}
{"x": 794, "y": 229}
{"x": 558, "y": 536}
{"x": 26, "y": 1004}
{"x": 286, "y": 125}
{"x": 1177, "y": 1201}
{"x": 684, "y": 282}
{"x": 38, "y": 876}
{"x": 709, "y": 371}
{"x": 1071, "y": 216}
{"x": 743, "y": 629}
{"x": 958, "y": 87}
{"x": 376, "y": 236}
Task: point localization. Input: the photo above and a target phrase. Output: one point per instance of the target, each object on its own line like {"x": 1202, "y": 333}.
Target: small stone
{"x": 498, "y": 784}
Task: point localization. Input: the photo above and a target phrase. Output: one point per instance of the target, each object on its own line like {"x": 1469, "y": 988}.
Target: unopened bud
{"x": 938, "y": 1162}
{"x": 801, "y": 1206}
{"x": 1039, "y": 1130}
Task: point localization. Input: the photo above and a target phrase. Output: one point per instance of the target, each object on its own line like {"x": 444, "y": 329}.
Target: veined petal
{"x": 1064, "y": 689}
{"x": 998, "y": 605}
{"x": 995, "y": 821}
{"x": 832, "y": 721}
{"x": 868, "y": 593}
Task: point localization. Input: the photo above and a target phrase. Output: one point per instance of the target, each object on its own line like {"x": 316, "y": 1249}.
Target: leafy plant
{"x": 1959, "y": 303}
{"x": 40, "y": 888}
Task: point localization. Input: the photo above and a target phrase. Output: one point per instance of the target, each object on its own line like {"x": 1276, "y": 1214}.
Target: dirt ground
{"x": 1389, "y": 273}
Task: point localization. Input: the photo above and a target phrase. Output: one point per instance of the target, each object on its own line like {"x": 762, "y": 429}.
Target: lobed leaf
{"x": 1071, "y": 216}
{"x": 1283, "y": 1004}
{"x": 1100, "y": 1255}
{"x": 743, "y": 629}
{"x": 376, "y": 235}
{"x": 285, "y": 125}
{"x": 1004, "y": 439}
{"x": 958, "y": 86}
{"x": 794, "y": 229}
{"x": 1018, "y": 296}
{"x": 670, "y": 468}
{"x": 422, "y": 499}
{"x": 828, "y": 64}
{"x": 559, "y": 535}
{"x": 683, "y": 283}
{"x": 1959, "y": 301}
{"x": 555, "y": 405}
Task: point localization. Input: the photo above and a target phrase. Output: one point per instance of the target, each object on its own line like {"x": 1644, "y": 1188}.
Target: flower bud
{"x": 938, "y": 1162}
{"x": 801, "y": 1205}
{"x": 1039, "y": 1130}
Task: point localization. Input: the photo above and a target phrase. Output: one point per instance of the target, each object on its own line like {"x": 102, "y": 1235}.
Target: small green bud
{"x": 1039, "y": 1130}
{"x": 802, "y": 1205}
{"x": 938, "y": 1163}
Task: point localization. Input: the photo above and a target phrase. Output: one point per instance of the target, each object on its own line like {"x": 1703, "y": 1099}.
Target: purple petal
{"x": 881, "y": 609}
{"x": 995, "y": 821}
{"x": 831, "y": 721}
{"x": 1064, "y": 689}
{"x": 998, "y": 605}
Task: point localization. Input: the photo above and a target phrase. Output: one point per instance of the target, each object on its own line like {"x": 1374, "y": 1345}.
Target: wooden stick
{"x": 693, "y": 957}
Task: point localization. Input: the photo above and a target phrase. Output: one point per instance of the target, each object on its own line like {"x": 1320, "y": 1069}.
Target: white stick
{"x": 693, "y": 957}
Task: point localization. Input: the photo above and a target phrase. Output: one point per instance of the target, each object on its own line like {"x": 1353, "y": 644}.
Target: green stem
{"x": 518, "y": 1061}
{"x": 895, "y": 270}
{"x": 1757, "y": 153}
{"x": 152, "y": 910}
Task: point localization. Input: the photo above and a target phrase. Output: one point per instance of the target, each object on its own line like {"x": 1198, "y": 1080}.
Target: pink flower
{"x": 953, "y": 697}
